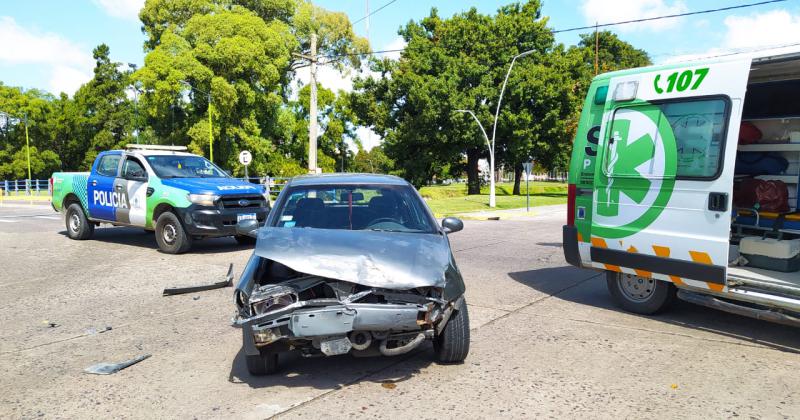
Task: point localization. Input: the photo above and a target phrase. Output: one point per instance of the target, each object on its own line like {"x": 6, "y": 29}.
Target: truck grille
{"x": 250, "y": 201}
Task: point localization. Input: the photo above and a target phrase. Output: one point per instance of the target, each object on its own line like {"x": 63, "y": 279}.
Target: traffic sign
{"x": 245, "y": 157}
{"x": 528, "y": 167}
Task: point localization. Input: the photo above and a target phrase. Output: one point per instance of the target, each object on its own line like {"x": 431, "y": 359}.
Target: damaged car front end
{"x": 326, "y": 292}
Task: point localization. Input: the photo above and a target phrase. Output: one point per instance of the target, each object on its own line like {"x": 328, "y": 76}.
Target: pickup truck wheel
{"x": 265, "y": 363}
{"x": 78, "y": 226}
{"x": 452, "y": 345}
{"x": 245, "y": 240}
{"x": 170, "y": 235}
{"x": 638, "y": 294}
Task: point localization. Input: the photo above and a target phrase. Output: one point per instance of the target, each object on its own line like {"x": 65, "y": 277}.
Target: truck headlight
{"x": 203, "y": 199}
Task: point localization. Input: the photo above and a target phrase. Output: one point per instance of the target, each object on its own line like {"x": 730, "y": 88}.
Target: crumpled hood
{"x": 219, "y": 186}
{"x": 390, "y": 260}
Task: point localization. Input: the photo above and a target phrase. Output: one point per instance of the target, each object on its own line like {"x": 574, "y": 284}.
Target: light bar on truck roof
{"x": 156, "y": 147}
{"x": 626, "y": 91}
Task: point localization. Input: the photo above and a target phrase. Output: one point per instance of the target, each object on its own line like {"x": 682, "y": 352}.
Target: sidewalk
{"x": 515, "y": 214}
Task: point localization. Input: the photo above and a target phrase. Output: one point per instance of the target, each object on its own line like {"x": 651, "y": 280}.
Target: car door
{"x": 132, "y": 187}
{"x": 102, "y": 200}
{"x": 663, "y": 182}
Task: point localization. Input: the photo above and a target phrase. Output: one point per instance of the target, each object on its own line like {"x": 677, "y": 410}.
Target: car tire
{"x": 452, "y": 344}
{"x": 170, "y": 235}
{"x": 245, "y": 240}
{"x": 262, "y": 364}
{"x": 641, "y": 295}
{"x": 78, "y": 226}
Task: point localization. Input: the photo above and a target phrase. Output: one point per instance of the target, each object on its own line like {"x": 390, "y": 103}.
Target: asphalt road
{"x": 546, "y": 340}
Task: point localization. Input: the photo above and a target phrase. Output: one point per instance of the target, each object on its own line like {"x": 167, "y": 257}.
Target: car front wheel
{"x": 641, "y": 295}
{"x": 265, "y": 363}
{"x": 170, "y": 235}
{"x": 452, "y": 344}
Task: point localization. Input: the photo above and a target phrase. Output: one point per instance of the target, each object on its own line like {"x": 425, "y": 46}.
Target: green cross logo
{"x": 638, "y": 174}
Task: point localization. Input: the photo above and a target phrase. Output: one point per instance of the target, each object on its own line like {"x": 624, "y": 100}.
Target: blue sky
{"x": 47, "y": 44}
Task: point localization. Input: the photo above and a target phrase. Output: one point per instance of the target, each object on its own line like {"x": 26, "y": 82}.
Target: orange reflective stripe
{"x": 601, "y": 243}
{"x": 701, "y": 257}
{"x": 641, "y": 273}
{"x": 663, "y": 252}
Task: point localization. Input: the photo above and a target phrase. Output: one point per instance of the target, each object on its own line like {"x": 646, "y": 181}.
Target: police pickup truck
{"x": 181, "y": 196}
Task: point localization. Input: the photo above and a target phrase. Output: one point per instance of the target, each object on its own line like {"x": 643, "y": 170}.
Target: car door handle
{"x": 718, "y": 201}
{"x": 94, "y": 183}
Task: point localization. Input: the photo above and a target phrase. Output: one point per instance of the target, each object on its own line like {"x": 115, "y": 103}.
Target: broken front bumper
{"x": 352, "y": 325}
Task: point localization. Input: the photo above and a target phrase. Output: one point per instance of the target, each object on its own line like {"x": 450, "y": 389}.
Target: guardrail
{"x": 24, "y": 187}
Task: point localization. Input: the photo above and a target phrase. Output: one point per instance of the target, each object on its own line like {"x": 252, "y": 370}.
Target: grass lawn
{"x": 446, "y": 200}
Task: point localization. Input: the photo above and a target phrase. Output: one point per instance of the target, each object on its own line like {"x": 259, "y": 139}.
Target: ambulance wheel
{"x": 641, "y": 295}
{"x": 170, "y": 235}
{"x": 265, "y": 363}
{"x": 78, "y": 226}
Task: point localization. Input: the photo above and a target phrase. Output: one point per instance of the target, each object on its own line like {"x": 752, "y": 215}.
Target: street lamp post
{"x": 210, "y": 126}
{"x": 492, "y": 197}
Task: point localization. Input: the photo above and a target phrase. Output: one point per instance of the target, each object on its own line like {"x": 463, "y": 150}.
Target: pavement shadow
{"x": 588, "y": 287}
{"x": 336, "y": 371}
{"x": 141, "y": 238}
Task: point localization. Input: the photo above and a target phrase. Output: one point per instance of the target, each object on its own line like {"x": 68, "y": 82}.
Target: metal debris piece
{"x": 109, "y": 368}
{"x": 228, "y": 282}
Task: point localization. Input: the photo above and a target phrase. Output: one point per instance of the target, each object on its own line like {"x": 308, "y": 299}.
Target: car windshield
{"x": 184, "y": 166}
{"x": 388, "y": 208}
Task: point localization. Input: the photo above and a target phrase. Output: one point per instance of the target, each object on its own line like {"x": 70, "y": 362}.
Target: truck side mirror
{"x": 452, "y": 224}
{"x": 247, "y": 227}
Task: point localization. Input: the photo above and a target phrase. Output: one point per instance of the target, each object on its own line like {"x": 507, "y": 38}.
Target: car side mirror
{"x": 452, "y": 224}
{"x": 247, "y": 227}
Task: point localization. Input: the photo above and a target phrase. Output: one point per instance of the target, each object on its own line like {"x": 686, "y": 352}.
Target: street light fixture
{"x": 492, "y": 197}
{"x": 210, "y": 126}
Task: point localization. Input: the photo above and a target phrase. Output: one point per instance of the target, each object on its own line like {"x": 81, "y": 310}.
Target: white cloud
{"x": 123, "y": 9}
{"x": 752, "y": 34}
{"x": 396, "y": 44}
{"x": 609, "y": 11}
{"x": 67, "y": 63}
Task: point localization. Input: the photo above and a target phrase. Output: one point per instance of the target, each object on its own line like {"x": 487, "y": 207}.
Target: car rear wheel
{"x": 265, "y": 363}
{"x": 641, "y": 295}
{"x": 170, "y": 235}
{"x": 452, "y": 344}
{"x": 78, "y": 226}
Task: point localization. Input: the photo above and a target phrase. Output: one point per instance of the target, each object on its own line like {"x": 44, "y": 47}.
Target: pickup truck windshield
{"x": 176, "y": 166}
{"x": 387, "y": 208}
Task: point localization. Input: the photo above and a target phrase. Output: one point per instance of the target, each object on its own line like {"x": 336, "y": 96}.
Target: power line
{"x": 373, "y": 12}
{"x": 700, "y": 12}
{"x": 602, "y": 25}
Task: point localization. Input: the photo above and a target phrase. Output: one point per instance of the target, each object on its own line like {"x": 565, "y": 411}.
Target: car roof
{"x": 347, "y": 178}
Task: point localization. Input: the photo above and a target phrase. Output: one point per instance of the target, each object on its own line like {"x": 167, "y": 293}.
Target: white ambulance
{"x": 684, "y": 183}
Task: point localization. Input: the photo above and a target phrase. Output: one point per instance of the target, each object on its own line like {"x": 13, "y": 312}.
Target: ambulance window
{"x": 699, "y": 128}
{"x": 108, "y": 165}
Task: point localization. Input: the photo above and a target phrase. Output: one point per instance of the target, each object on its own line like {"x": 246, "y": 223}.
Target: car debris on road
{"x": 105, "y": 368}
{"x": 228, "y": 282}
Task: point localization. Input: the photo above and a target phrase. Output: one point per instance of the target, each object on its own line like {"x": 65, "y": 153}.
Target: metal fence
{"x": 24, "y": 187}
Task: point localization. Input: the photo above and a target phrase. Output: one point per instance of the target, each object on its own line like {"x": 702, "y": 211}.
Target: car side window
{"x": 108, "y": 165}
{"x": 132, "y": 168}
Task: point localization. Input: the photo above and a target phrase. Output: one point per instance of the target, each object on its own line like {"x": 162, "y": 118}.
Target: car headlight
{"x": 272, "y": 297}
{"x": 203, "y": 199}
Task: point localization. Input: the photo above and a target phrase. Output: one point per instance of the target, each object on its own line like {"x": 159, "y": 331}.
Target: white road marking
{"x": 7, "y": 221}
{"x": 48, "y": 217}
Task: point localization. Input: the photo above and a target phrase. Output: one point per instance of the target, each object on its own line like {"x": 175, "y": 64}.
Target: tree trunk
{"x": 473, "y": 183}
{"x": 517, "y": 178}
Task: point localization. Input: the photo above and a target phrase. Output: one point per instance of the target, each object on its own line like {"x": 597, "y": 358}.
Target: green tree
{"x": 613, "y": 53}
{"x": 104, "y": 108}
{"x": 373, "y": 161}
{"x": 449, "y": 64}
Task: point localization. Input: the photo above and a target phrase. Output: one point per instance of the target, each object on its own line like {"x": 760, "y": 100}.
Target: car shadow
{"x": 140, "y": 238}
{"x": 336, "y": 371}
{"x": 588, "y": 287}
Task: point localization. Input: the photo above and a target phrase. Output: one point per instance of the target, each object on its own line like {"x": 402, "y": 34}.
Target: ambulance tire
{"x": 639, "y": 294}
{"x": 262, "y": 364}
{"x": 170, "y": 235}
{"x": 78, "y": 226}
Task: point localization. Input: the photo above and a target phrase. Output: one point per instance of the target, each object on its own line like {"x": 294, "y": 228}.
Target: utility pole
{"x": 312, "y": 109}
{"x": 596, "y": 49}
{"x": 210, "y": 132}
{"x": 28, "y": 151}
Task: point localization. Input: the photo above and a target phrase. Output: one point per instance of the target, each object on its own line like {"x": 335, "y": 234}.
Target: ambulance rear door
{"x": 664, "y": 172}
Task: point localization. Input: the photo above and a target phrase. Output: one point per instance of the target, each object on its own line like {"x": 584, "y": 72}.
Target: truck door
{"x": 664, "y": 173}
{"x": 102, "y": 200}
{"x": 132, "y": 185}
